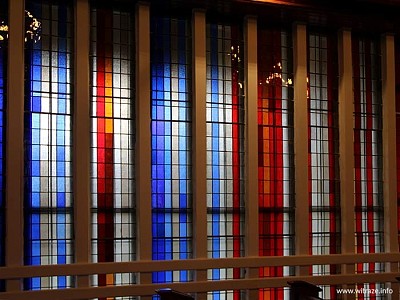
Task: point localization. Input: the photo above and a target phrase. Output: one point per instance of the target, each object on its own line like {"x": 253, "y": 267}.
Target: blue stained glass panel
{"x": 48, "y": 133}
{"x": 171, "y": 130}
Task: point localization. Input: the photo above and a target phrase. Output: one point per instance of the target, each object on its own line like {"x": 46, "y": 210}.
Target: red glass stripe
{"x": 270, "y": 158}
{"x": 236, "y": 153}
{"x": 357, "y": 147}
{"x": 105, "y": 156}
{"x": 365, "y": 126}
{"x": 332, "y": 140}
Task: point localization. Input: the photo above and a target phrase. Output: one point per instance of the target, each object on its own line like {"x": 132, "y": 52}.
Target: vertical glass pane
{"x": 112, "y": 141}
{"x": 324, "y": 193}
{"x": 275, "y": 152}
{"x": 225, "y": 148}
{"x": 368, "y": 151}
{"x": 3, "y": 96}
{"x": 171, "y": 144}
{"x": 48, "y": 133}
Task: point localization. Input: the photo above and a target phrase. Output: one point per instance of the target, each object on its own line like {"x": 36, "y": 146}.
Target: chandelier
{"x": 32, "y": 29}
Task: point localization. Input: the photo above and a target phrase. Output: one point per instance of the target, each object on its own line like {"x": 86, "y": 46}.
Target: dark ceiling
{"x": 375, "y": 16}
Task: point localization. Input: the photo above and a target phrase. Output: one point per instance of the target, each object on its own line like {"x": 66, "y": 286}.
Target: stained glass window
{"x": 323, "y": 153}
{"x": 113, "y": 139}
{"x": 225, "y": 148}
{"x": 48, "y": 133}
{"x": 368, "y": 151}
{"x": 275, "y": 152}
{"x": 3, "y": 89}
{"x": 171, "y": 143}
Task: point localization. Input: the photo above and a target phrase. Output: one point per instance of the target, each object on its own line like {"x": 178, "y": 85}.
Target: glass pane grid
{"x": 112, "y": 142}
{"x": 225, "y": 147}
{"x": 324, "y": 141}
{"x": 364, "y": 291}
{"x": 324, "y": 189}
{"x": 274, "y": 293}
{"x": 226, "y": 295}
{"x": 48, "y": 135}
{"x": 171, "y": 144}
{"x": 369, "y": 214}
{"x": 49, "y": 115}
{"x": 275, "y": 154}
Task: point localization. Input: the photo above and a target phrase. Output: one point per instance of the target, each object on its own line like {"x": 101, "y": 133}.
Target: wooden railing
{"x": 146, "y": 267}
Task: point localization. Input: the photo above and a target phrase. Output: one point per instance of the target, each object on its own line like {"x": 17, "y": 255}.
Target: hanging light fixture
{"x": 32, "y": 29}
{"x": 3, "y": 31}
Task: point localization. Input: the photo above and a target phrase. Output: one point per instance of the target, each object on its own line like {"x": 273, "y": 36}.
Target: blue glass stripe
{"x": 61, "y": 234}
{"x": 46, "y": 182}
{"x": 169, "y": 148}
{"x": 35, "y": 223}
{"x": 35, "y": 283}
{"x": 62, "y": 281}
{"x": 61, "y": 201}
{"x": 62, "y": 103}
{"x": 219, "y": 143}
{"x": 61, "y": 126}
{"x": 36, "y": 72}
{"x": 35, "y": 200}
{"x": 36, "y": 105}
{"x": 36, "y": 86}
{"x": 61, "y": 167}
{"x": 35, "y": 168}
{"x": 35, "y": 153}
{"x": 36, "y": 61}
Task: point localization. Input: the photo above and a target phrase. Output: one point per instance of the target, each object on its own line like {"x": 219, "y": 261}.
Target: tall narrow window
{"x": 112, "y": 153}
{"x": 368, "y": 151}
{"x": 275, "y": 152}
{"x": 3, "y": 96}
{"x": 48, "y": 132}
{"x": 171, "y": 143}
{"x": 323, "y": 151}
{"x": 225, "y": 146}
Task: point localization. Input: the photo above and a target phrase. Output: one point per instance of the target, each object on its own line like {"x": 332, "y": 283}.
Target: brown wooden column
{"x": 389, "y": 154}
{"x": 251, "y": 146}
{"x": 199, "y": 142}
{"x": 15, "y": 142}
{"x": 301, "y": 142}
{"x": 143, "y": 138}
{"x": 346, "y": 149}
{"x": 81, "y": 141}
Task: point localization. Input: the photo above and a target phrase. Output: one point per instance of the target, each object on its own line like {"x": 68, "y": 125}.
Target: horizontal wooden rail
{"x": 192, "y": 264}
{"x": 142, "y": 267}
{"x": 194, "y": 287}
